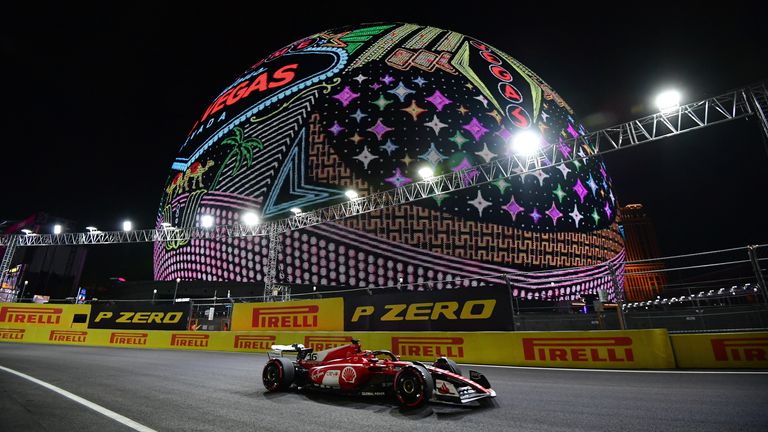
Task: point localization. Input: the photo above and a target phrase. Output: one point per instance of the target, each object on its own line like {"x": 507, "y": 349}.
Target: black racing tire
{"x": 413, "y": 386}
{"x": 445, "y": 363}
{"x": 278, "y": 375}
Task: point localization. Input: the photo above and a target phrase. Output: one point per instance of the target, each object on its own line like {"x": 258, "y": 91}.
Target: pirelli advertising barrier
{"x": 32, "y": 315}
{"x": 478, "y": 309}
{"x": 639, "y": 349}
{"x": 721, "y": 350}
{"x": 139, "y": 316}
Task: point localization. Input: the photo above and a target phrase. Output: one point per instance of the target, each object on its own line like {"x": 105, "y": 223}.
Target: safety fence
{"x": 316, "y": 324}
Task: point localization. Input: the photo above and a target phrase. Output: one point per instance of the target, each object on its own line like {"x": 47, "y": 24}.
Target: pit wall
{"x": 631, "y": 349}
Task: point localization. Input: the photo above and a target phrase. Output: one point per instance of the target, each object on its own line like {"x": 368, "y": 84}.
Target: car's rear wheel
{"x": 445, "y": 363}
{"x": 413, "y": 386}
{"x": 278, "y": 374}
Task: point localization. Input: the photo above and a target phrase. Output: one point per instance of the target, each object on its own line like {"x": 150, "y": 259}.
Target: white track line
{"x": 98, "y": 408}
{"x": 729, "y": 372}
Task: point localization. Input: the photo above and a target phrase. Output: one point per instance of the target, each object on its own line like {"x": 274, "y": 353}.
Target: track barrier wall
{"x": 304, "y": 322}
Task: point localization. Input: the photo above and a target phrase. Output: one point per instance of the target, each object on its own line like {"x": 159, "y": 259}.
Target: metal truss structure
{"x": 745, "y": 102}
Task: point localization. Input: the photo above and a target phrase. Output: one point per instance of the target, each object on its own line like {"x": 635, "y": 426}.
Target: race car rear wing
{"x": 278, "y": 350}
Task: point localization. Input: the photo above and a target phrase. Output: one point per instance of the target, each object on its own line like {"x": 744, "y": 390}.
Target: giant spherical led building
{"x": 365, "y": 107}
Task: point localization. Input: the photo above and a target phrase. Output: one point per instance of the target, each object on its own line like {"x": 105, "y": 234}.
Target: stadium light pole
{"x": 23, "y": 290}
{"x": 57, "y": 229}
{"x": 154, "y": 293}
{"x": 127, "y": 225}
{"x": 668, "y": 100}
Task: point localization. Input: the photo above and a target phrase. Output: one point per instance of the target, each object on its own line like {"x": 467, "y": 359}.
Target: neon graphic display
{"x": 365, "y": 108}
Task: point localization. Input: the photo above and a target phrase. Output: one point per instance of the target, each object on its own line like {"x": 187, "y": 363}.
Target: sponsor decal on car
{"x": 579, "y": 349}
{"x": 428, "y": 346}
{"x": 348, "y": 374}
{"x": 68, "y": 336}
{"x": 740, "y": 349}
{"x": 28, "y": 315}
{"x": 445, "y": 388}
{"x": 331, "y": 378}
{"x": 254, "y": 342}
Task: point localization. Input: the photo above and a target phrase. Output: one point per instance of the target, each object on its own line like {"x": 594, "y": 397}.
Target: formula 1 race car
{"x": 349, "y": 370}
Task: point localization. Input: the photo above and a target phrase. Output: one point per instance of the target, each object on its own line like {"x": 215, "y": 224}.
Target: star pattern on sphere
{"x": 559, "y": 193}
{"x": 398, "y": 179}
{"x": 540, "y": 176}
{"x": 613, "y": 199}
{"x": 504, "y": 134}
{"x": 595, "y": 216}
{"x": 381, "y": 102}
{"x": 436, "y": 125}
{"x": 564, "y": 169}
{"x": 479, "y": 203}
{"x": 554, "y": 214}
{"x": 439, "y": 198}
{"x": 379, "y": 129}
{"x": 414, "y": 110}
{"x": 468, "y": 175}
{"x": 572, "y": 131}
{"x": 607, "y": 209}
{"x": 386, "y": 79}
{"x": 496, "y": 116}
{"x": 358, "y": 115}
{"x": 475, "y": 128}
{"x": 389, "y": 146}
{"x": 486, "y": 154}
{"x": 433, "y": 156}
{"x": 482, "y": 100}
{"x": 356, "y": 138}
{"x": 375, "y": 86}
{"x": 346, "y": 96}
{"x": 535, "y": 215}
{"x": 420, "y": 81}
{"x": 458, "y": 139}
{"x": 366, "y": 157}
{"x": 336, "y": 128}
{"x": 401, "y": 91}
{"x": 580, "y": 190}
{"x": 577, "y": 164}
{"x": 502, "y": 184}
{"x": 360, "y": 78}
{"x": 592, "y": 185}
{"x": 462, "y": 110}
{"x": 513, "y": 208}
{"x": 544, "y": 116}
{"x": 407, "y": 160}
{"x": 439, "y": 100}
{"x": 577, "y": 217}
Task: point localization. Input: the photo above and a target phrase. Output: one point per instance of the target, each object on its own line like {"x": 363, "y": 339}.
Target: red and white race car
{"x": 348, "y": 369}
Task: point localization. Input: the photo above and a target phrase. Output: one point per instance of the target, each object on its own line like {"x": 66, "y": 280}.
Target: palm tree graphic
{"x": 242, "y": 151}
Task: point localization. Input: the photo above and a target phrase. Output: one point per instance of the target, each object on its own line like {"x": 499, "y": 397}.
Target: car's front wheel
{"x": 413, "y": 386}
{"x": 278, "y": 374}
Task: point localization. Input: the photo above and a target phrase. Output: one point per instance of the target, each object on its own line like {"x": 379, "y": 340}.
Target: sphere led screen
{"x": 365, "y": 108}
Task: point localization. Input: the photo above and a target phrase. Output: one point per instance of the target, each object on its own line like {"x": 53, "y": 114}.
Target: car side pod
{"x": 479, "y": 378}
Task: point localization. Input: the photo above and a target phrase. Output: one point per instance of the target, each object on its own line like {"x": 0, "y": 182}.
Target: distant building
{"x": 643, "y": 280}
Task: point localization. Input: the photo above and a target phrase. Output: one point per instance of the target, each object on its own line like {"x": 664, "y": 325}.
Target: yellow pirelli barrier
{"x": 31, "y": 315}
{"x": 302, "y": 315}
{"x": 639, "y": 349}
{"x": 721, "y": 350}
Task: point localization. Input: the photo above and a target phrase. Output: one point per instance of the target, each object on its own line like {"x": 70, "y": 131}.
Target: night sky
{"x": 98, "y": 101}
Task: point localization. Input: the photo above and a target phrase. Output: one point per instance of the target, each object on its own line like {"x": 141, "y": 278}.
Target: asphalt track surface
{"x": 211, "y": 391}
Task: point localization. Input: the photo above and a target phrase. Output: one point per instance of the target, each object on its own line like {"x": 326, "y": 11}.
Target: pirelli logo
{"x": 302, "y": 317}
{"x": 128, "y": 338}
{"x": 321, "y": 343}
{"x": 740, "y": 349}
{"x": 253, "y": 342}
{"x": 428, "y": 346}
{"x": 11, "y": 334}
{"x": 594, "y": 349}
{"x": 69, "y": 336}
{"x": 28, "y": 315}
{"x": 189, "y": 340}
